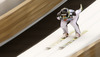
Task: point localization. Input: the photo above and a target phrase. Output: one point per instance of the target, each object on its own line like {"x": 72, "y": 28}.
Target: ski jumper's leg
{"x": 74, "y": 22}
{"x": 75, "y": 25}
{"x": 64, "y": 26}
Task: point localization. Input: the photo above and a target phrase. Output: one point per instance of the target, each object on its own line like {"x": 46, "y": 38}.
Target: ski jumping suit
{"x": 72, "y": 18}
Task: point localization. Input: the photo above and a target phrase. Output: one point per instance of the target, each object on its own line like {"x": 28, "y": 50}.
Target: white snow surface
{"x": 89, "y": 21}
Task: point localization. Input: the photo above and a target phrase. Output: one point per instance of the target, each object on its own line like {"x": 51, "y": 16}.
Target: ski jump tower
{"x": 16, "y": 18}
{"x": 85, "y": 46}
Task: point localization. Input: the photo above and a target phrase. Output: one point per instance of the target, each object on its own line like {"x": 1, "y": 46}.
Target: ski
{"x": 58, "y": 41}
{"x": 75, "y": 38}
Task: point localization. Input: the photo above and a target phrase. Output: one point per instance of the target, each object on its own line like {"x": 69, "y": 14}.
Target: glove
{"x": 59, "y": 18}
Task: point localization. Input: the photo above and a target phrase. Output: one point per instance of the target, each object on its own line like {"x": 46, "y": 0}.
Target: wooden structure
{"x": 17, "y": 19}
{"x": 94, "y": 51}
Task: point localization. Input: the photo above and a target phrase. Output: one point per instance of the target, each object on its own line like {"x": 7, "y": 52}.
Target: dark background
{"x": 39, "y": 31}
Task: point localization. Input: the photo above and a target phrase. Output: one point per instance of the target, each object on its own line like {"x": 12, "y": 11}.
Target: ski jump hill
{"x": 89, "y": 22}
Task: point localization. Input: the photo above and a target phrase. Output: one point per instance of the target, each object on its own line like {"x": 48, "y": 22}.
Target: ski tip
{"x": 48, "y": 48}
{"x": 60, "y": 48}
{"x": 63, "y": 38}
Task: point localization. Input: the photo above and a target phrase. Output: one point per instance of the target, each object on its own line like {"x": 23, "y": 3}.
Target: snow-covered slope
{"x": 89, "y": 21}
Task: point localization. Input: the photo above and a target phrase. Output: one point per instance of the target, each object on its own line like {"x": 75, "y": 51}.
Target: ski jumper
{"x": 72, "y": 18}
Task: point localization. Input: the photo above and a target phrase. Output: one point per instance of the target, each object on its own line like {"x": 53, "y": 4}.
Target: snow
{"x": 89, "y": 21}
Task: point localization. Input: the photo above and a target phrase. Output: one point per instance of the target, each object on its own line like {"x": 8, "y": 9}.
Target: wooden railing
{"x": 22, "y": 16}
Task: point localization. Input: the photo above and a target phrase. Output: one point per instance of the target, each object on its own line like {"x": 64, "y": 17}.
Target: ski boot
{"x": 77, "y": 35}
{"x": 65, "y": 35}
